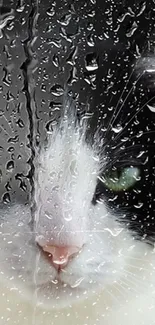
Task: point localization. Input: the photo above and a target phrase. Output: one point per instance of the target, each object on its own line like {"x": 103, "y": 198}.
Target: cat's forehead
{"x": 67, "y": 158}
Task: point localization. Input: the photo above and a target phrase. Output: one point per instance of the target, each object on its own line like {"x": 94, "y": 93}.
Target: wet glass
{"x": 85, "y": 51}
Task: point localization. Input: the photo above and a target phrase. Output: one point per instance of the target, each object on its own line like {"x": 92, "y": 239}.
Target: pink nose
{"x": 60, "y": 256}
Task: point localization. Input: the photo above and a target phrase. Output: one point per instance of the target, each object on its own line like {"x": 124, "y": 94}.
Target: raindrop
{"x": 10, "y": 166}
{"x": 132, "y": 29}
{"x": 54, "y": 41}
{"x": 77, "y": 283}
{"x": 55, "y": 60}
{"x": 142, "y": 9}
{"x": 55, "y": 106}
{"x": 20, "y": 123}
{"x": 14, "y": 139}
{"x": 48, "y": 215}
{"x": 50, "y": 125}
{"x": 91, "y": 62}
{"x": 114, "y": 232}
{"x": 1, "y": 113}
{"x": 90, "y": 40}
{"x": 91, "y": 80}
{"x": 128, "y": 13}
{"x": 55, "y": 188}
{"x": 73, "y": 77}
{"x": 6, "y": 198}
{"x": 139, "y": 134}
{"x": 11, "y": 149}
{"x": 20, "y": 6}
{"x": 91, "y": 13}
{"x": 51, "y": 11}
{"x": 151, "y": 108}
{"x": 141, "y": 154}
{"x": 134, "y": 217}
{"x": 66, "y": 36}
{"x": 65, "y": 20}
{"x": 23, "y": 186}
{"x": 8, "y": 187}
{"x": 67, "y": 215}
{"x": 113, "y": 199}
{"x": 139, "y": 205}
{"x": 7, "y": 14}
{"x": 90, "y": 26}
{"x": 72, "y": 55}
{"x": 57, "y": 90}
{"x": 117, "y": 128}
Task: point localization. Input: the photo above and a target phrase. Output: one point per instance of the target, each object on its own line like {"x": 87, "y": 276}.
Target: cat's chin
{"x": 56, "y": 294}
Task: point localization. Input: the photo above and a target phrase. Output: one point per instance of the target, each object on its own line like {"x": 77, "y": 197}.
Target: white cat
{"x": 72, "y": 252}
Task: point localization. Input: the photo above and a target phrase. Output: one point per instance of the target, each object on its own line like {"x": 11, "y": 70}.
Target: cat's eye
{"x": 121, "y": 179}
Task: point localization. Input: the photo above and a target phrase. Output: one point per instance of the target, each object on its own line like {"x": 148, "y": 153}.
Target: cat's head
{"x": 88, "y": 220}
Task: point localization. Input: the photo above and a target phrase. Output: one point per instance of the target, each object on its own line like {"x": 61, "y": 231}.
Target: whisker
{"x": 111, "y": 122}
{"x": 127, "y": 285}
{"x": 122, "y": 294}
{"x": 138, "y": 268}
{"x": 131, "y": 138}
{"x": 122, "y": 131}
{"x": 132, "y": 276}
{"x": 126, "y": 98}
{"x": 112, "y": 295}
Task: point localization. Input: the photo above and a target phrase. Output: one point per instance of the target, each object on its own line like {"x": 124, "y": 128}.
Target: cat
{"x": 85, "y": 238}
{"x": 90, "y": 228}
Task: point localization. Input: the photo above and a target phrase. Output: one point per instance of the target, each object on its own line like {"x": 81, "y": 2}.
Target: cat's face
{"x": 70, "y": 211}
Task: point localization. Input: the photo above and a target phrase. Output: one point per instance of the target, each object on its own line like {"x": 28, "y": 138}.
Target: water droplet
{"x": 54, "y": 41}
{"x": 72, "y": 56}
{"x": 55, "y": 106}
{"x": 8, "y": 187}
{"x": 77, "y": 283}
{"x": 134, "y": 217}
{"x": 6, "y": 198}
{"x": 73, "y": 77}
{"x": 65, "y": 20}
{"x": 10, "y": 166}
{"x": 132, "y": 29}
{"x": 51, "y": 11}
{"x": 139, "y": 205}
{"x": 90, "y": 40}
{"x": 55, "y": 188}
{"x": 11, "y": 149}
{"x": 91, "y": 62}
{"x": 1, "y": 112}
{"x": 50, "y": 126}
{"x": 140, "y": 154}
{"x": 57, "y": 90}
{"x": 142, "y": 9}
{"x": 114, "y": 232}
{"x": 48, "y": 215}
{"x": 20, "y": 6}
{"x": 151, "y": 108}
{"x": 20, "y": 123}
{"x": 14, "y": 139}
{"x": 117, "y": 128}
{"x": 91, "y": 13}
{"x": 55, "y": 60}
{"x": 113, "y": 199}
{"x": 128, "y": 13}
{"x": 67, "y": 215}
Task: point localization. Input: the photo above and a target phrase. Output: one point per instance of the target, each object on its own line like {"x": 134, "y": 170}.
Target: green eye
{"x": 117, "y": 180}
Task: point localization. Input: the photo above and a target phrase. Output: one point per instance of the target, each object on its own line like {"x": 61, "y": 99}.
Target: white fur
{"x": 65, "y": 182}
